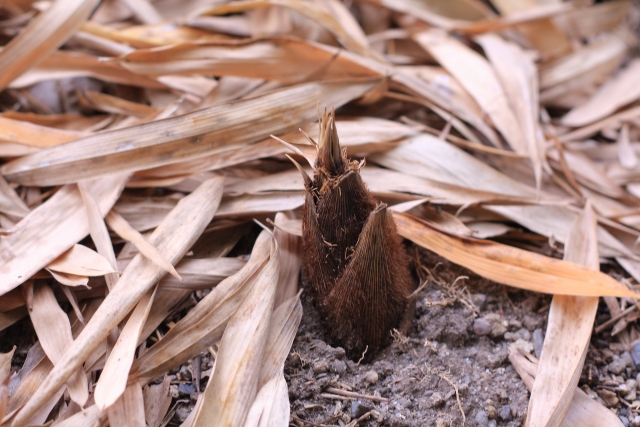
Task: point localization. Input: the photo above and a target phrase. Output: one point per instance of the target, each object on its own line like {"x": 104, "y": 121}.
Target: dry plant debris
{"x": 135, "y": 152}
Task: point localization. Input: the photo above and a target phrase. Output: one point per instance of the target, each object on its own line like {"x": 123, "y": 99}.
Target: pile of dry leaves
{"x": 136, "y": 153}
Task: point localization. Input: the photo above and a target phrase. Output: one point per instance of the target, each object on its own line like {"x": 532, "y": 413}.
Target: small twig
{"x": 363, "y": 353}
{"x": 355, "y": 395}
{"x": 464, "y": 418}
{"x": 309, "y": 422}
{"x": 615, "y": 318}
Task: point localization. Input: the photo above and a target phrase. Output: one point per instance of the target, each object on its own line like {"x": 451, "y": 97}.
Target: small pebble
{"x": 624, "y": 420}
{"x": 636, "y": 421}
{"x": 635, "y": 355}
{"x": 371, "y": 377}
{"x": 478, "y": 300}
{"x": 482, "y": 419}
{"x": 358, "y": 409}
{"x": 338, "y": 367}
{"x": 525, "y": 345}
{"x": 481, "y": 327}
{"x": 493, "y": 423}
{"x": 505, "y": 413}
{"x": 491, "y": 411}
{"x": 610, "y": 399}
{"x": 320, "y": 367}
{"x": 436, "y": 399}
{"x": 631, "y": 383}
{"x": 186, "y": 389}
{"x": 182, "y": 413}
{"x": 538, "y": 340}
{"x": 617, "y": 365}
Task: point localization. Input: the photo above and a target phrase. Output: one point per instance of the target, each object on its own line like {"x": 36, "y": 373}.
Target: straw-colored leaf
{"x": 113, "y": 380}
{"x": 33, "y": 135}
{"x": 568, "y": 331}
{"x": 89, "y": 417}
{"x": 233, "y": 387}
{"x": 613, "y": 94}
{"x": 519, "y": 78}
{"x": 175, "y": 139}
{"x": 583, "y": 410}
{"x": 157, "y": 400}
{"x": 124, "y": 230}
{"x": 511, "y": 266}
{"x": 54, "y": 331}
{"x": 172, "y": 238}
{"x": 69, "y": 279}
{"x": 128, "y": 411}
{"x": 205, "y": 323}
{"x": 52, "y": 228}
{"x": 42, "y": 36}
{"x": 81, "y": 261}
{"x": 475, "y": 74}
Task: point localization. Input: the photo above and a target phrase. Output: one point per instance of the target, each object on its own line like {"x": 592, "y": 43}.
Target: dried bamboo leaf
{"x": 233, "y": 387}
{"x": 175, "y": 139}
{"x": 202, "y": 273}
{"x": 282, "y": 330}
{"x": 52, "y": 228}
{"x": 356, "y": 43}
{"x": 290, "y": 60}
{"x": 613, "y": 94}
{"x": 98, "y": 231}
{"x": 33, "y": 135}
{"x": 113, "y": 379}
{"x": 63, "y": 65}
{"x": 156, "y": 402}
{"x": 289, "y": 246}
{"x": 432, "y": 158}
{"x": 271, "y": 406}
{"x": 569, "y": 327}
{"x": 609, "y": 50}
{"x": 543, "y": 35}
{"x": 583, "y": 411}
{"x": 81, "y": 261}
{"x": 475, "y": 74}
{"x": 5, "y": 364}
{"x": 205, "y": 323}
{"x": 113, "y": 104}
{"x": 10, "y": 202}
{"x": 519, "y": 78}
{"x": 54, "y": 332}
{"x": 42, "y": 36}
{"x": 69, "y": 279}
{"x": 511, "y": 266}
{"x": 172, "y": 238}
{"x": 89, "y": 417}
{"x": 124, "y": 230}
{"x": 128, "y": 411}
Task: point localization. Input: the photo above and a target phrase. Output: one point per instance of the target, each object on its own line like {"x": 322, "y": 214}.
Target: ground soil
{"x": 421, "y": 370}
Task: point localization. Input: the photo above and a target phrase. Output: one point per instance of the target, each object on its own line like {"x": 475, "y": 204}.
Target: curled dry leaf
{"x": 511, "y": 266}
{"x": 81, "y": 261}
